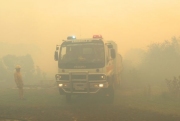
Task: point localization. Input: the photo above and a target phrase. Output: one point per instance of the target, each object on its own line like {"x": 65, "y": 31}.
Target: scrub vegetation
{"x": 152, "y": 68}
{"x": 32, "y": 74}
{"x": 46, "y": 104}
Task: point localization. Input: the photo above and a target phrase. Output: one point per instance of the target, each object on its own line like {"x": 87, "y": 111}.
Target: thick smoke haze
{"x": 145, "y": 86}
{"x": 35, "y": 27}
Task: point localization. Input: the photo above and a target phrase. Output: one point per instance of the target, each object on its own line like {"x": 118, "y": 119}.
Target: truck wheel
{"x": 60, "y": 91}
{"x": 110, "y": 95}
{"x": 68, "y": 98}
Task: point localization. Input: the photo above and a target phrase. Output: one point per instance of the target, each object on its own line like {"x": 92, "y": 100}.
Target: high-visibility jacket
{"x": 18, "y": 79}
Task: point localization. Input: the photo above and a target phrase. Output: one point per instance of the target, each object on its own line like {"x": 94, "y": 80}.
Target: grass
{"x": 161, "y": 103}
{"x": 41, "y": 97}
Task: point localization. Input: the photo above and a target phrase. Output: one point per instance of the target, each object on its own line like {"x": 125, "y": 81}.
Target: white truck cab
{"x": 86, "y": 66}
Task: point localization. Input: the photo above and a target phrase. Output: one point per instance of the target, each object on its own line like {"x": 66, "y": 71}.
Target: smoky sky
{"x": 41, "y": 24}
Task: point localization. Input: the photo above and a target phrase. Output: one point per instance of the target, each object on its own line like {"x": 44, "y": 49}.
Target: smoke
{"x": 152, "y": 66}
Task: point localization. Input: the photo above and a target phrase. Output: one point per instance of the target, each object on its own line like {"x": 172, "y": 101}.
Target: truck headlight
{"x": 60, "y": 85}
{"x": 101, "y": 85}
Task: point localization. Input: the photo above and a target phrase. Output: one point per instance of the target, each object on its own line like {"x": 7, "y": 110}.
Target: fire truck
{"x": 88, "y": 66}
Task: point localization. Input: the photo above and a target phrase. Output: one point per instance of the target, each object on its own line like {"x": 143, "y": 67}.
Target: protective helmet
{"x": 17, "y": 67}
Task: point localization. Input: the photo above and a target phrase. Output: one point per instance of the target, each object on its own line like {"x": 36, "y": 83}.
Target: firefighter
{"x": 19, "y": 82}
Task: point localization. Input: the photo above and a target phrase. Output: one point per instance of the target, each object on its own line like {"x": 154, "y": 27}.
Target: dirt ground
{"x": 53, "y": 107}
{"x": 81, "y": 113}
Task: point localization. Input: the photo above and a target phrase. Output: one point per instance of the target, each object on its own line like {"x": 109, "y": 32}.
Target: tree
{"x": 162, "y": 60}
{"x": 26, "y": 62}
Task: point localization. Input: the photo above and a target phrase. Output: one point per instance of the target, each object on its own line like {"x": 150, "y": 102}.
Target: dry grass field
{"x": 45, "y": 104}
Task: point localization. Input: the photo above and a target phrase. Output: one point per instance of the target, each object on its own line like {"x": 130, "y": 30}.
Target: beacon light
{"x": 71, "y": 37}
{"x": 97, "y": 36}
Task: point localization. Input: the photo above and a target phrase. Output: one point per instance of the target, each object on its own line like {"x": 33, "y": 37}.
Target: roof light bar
{"x": 97, "y": 36}
{"x": 71, "y": 37}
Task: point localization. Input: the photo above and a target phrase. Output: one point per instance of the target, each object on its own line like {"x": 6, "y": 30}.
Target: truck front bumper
{"x": 81, "y": 83}
{"x": 81, "y": 87}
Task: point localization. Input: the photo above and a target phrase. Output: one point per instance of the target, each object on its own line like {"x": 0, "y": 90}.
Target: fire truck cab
{"x": 87, "y": 66}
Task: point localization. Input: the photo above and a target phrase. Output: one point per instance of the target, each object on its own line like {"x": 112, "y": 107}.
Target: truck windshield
{"x": 82, "y": 55}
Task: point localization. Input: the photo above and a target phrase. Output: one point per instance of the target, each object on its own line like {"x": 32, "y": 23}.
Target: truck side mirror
{"x": 113, "y": 53}
{"x": 110, "y": 46}
{"x": 56, "y": 56}
{"x": 57, "y": 48}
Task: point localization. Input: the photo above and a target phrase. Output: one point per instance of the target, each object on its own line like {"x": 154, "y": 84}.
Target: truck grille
{"x": 95, "y": 77}
{"x": 64, "y": 77}
{"x": 91, "y": 77}
{"x": 78, "y": 77}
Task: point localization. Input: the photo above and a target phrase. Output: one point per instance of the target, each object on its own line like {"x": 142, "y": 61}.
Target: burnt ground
{"x": 80, "y": 109}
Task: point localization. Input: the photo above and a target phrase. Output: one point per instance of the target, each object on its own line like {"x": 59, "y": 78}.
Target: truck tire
{"x": 60, "y": 91}
{"x": 68, "y": 98}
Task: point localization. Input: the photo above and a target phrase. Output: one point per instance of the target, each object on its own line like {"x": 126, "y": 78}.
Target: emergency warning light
{"x": 97, "y": 36}
{"x": 71, "y": 37}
